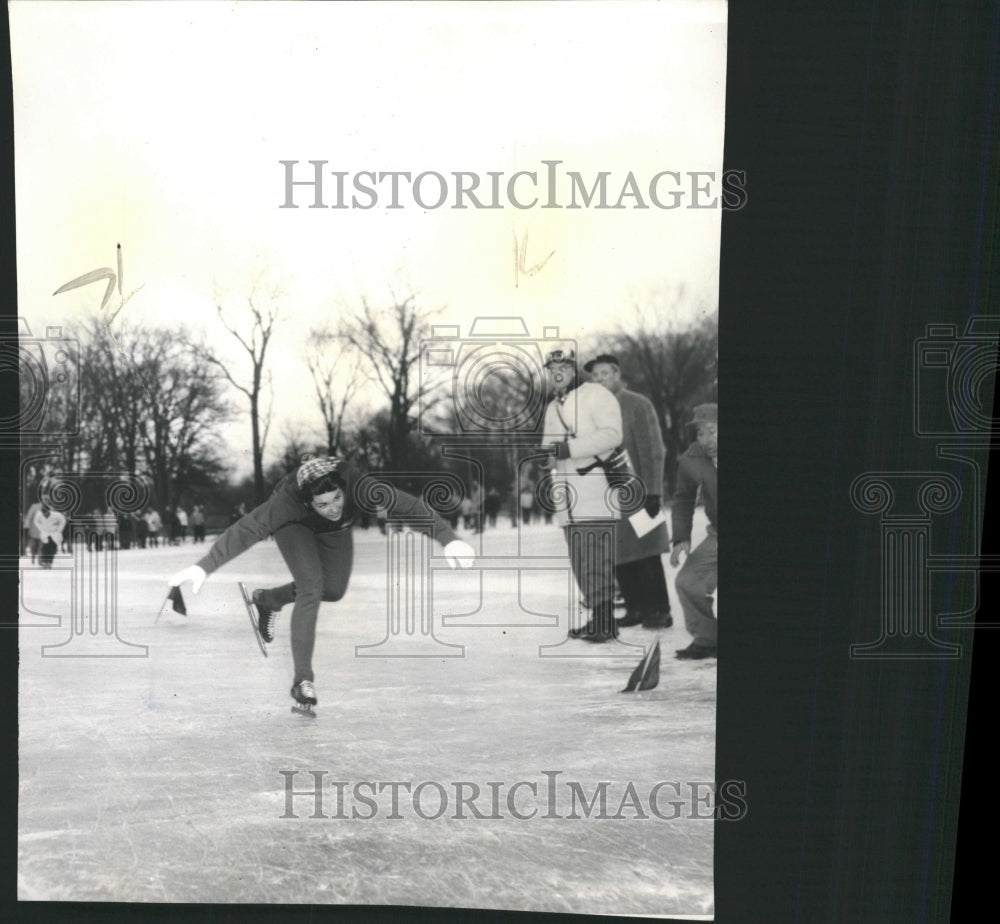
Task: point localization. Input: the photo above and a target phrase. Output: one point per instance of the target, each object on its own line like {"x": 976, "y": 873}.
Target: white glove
{"x": 459, "y": 554}
{"x": 194, "y": 574}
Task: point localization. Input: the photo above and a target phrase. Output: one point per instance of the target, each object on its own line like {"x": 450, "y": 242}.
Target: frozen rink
{"x": 165, "y": 777}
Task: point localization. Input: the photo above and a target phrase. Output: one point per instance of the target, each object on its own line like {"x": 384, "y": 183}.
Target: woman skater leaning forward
{"x": 310, "y": 514}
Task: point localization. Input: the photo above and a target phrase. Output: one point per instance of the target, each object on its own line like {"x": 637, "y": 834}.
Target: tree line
{"x": 152, "y": 400}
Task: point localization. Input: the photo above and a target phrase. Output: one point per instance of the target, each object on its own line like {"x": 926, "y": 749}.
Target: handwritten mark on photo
{"x": 114, "y": 279}
{"x": 521, "y": 267}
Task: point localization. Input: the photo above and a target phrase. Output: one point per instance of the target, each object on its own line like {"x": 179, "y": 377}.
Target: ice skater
{"x": 310, "y": 515}
{"x": 50, "y": 525}
{"x": 34, "y": 537}
{"x": 153, "y": 524}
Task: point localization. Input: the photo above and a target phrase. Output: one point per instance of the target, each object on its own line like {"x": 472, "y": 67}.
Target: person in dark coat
{"x": 698, "y": 578}
{"x": 126, "y": 530}
{"x": 141, "y": 531}
{"x": 173, "y": 526}
{"x": 198, "y": 523}
{"x": 639, "y": 562}
{"x": 34, "y": 542}
{"x": 493, "y": 501}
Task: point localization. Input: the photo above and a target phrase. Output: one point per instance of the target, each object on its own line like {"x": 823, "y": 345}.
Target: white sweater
{"x": 50, "y": 526}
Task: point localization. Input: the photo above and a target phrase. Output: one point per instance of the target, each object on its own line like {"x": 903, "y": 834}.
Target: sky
{"x": 162, "y": 127}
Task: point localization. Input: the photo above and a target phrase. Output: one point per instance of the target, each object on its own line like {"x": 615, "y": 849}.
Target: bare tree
{"x": 253, "y": 332}
{"x": 147, "y": 406}
{"x": 114, "y": 393}
{"x": 675, "y": 365}
{"x": 335, "y": 367}
{"x": 49, "y": 419}
{"x": 183, "y": 404}
{"x": 504, "y": 413}
{"x": 296, "y": 448}
{"x": 389, "y": 340}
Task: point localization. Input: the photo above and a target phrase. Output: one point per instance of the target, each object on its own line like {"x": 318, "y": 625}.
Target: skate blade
{"x": 248, "y": 603}
{"x": 304, "y": 709}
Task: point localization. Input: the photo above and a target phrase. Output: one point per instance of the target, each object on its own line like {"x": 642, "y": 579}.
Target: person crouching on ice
{"x": 310, "y": 514}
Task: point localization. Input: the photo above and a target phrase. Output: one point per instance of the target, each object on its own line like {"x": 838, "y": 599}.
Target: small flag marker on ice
{"x": 174, "y": 597}
{"x": 647, "y": 675}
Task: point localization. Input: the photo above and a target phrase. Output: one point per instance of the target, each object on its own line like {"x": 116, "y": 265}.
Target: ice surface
{"x": 165, "y": 778}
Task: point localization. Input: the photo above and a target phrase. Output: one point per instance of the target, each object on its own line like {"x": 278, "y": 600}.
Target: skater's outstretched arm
{"x": 248, "y": 530}
{"x": 258, "y": 524}
{"x": 456, "y": 552}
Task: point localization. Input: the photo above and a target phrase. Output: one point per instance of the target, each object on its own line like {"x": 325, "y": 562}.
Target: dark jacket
{"x": 642, "y": 438}
{"x": 695, "y": 470}
{"x": 286, "y": 506}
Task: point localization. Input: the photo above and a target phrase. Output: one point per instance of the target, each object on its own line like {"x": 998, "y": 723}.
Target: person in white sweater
{"x": 583, "y": 428}
{"x": 50, "y": 525}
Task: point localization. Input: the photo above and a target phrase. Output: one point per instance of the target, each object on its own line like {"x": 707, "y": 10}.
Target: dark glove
{"x": 652, "y": 504}
{"x": 561, "y": 450}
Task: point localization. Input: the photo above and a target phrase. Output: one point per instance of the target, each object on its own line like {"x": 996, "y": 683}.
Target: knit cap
{"x": 313, "y": 470}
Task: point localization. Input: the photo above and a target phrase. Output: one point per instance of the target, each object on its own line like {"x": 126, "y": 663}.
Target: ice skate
{"x": 256, "y": 620}
{"x": 304, "y": 694}
{"x": 266, "y": 618}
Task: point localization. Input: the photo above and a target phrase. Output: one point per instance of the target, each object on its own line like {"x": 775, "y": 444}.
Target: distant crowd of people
{"x": 479, "y": 510}
{"x": 149, "y": 530}
{"x": 46, "y": 531}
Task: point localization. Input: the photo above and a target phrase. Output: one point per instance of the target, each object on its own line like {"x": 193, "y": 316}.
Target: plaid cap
{"x": 313, "y": 470}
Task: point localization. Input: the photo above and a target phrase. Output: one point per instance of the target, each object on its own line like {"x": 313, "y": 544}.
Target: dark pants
{"x": 48, "y": 552}
{"x": 644, "y": 586}
{"x": 592, "y": 555}
{"x": 696, "y": 583}
{"x": 321, "y": 569}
